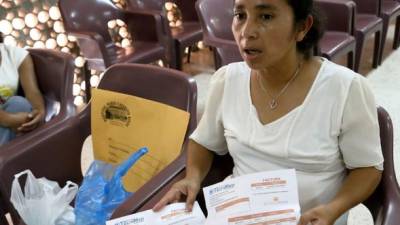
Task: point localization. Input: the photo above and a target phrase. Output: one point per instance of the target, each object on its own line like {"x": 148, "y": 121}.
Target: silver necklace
{"x": 273, "y": 103}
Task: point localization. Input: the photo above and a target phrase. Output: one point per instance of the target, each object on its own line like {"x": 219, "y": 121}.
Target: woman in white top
{"x": 283, "y": 108}
{"x": 18, "y": 114}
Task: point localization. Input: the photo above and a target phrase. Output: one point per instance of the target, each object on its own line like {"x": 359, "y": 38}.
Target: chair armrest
{"x": 145, "y": 25}
{"x": 389, "y": 183}
{"x": 24, "y": 140}
{"x": 340, "y": 14}
{"x": 384, "y": 203}
{"x": 56, "y": 91}
{"x": 166, "y": 177}
{"x": 92, "y": 45}
{"x": 391, "y": 201}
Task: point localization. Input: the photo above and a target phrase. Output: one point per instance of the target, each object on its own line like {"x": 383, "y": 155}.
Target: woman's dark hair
{"x": 1, "y": 37}
{"x": 301, "y": 10}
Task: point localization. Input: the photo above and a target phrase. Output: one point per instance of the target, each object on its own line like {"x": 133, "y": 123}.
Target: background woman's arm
{"x": 12, "y": 120}
{"x": 29, "y": 84}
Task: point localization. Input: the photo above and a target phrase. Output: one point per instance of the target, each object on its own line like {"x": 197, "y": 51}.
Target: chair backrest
{"x": 368, "y": 6}
{"x": 88, "y": 16}
{"x": 340, "y": 14}
{"x": 164, "y": 85}
{"x": 384, "y": 203}
{"x": 155, "y": 83}
{"x": 216, "y": 18}
{"x": 54, "y": 73}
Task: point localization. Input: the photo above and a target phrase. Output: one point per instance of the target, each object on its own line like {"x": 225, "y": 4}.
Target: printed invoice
{"x": 173, "y": 214}
{"x": 262, "y": 198}
{"x": 265, "y": 198}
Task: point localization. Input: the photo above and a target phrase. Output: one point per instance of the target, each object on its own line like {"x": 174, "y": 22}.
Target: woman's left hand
{"x": 36, "y": 118}
{"x": 319, "y": 215}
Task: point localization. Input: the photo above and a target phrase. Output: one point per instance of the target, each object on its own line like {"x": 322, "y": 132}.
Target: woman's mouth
{"x": 251, "y": 53}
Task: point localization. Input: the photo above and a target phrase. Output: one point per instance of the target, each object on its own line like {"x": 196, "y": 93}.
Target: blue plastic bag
{"x": 102, "y": 190}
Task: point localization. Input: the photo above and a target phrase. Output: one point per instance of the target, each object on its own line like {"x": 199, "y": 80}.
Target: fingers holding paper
{"x": 184, "y": 188}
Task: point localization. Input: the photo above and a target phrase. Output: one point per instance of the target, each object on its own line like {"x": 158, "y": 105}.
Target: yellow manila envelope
{"x": 121, "y": 124}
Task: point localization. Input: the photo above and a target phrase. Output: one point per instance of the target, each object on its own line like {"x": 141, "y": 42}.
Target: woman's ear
{"x": 304, "y": 27}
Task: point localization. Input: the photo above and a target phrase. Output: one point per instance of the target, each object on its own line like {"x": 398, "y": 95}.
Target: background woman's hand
{"x": 15, "y": 120}
{"x": 186, "y": 187}
{"x": 35, "y": 118}
{"x": 319, "y": 215}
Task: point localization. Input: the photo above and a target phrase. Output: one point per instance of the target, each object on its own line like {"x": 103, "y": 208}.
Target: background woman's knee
{"x": 17, "y": 104}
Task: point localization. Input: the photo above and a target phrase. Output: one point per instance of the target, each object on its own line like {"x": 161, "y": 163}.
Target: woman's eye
{"x": 266, "y": 17}
{"x": 239, "y": 15}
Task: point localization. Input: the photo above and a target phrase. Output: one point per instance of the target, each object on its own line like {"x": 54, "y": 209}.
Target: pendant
{"x": 273, "y": 104}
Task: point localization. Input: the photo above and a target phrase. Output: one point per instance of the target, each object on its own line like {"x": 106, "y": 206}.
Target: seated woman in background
{"x": 17, "y": 114}
{"x": 284, "y": 108}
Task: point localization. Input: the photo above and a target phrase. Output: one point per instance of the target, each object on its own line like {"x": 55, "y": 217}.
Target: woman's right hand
{"x": 15, "y": 120}
{"x": 185, "y": 187}
{"x": 36, "y": 117}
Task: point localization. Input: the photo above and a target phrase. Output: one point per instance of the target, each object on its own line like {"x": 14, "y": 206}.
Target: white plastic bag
{"x": 44, "y": 202}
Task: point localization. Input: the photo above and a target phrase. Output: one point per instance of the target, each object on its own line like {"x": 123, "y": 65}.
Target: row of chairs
{"x": 45, "y": 153}
{"x": 154, "y": 39}
{"x": 147, "y": 24}
{"x": 348, "y": 24}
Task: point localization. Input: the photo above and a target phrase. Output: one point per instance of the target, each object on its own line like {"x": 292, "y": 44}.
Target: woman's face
{"x": 264, "y": 31}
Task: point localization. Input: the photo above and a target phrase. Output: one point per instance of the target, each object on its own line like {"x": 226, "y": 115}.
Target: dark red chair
{"x": 396, "y": 42}
{"x": 180, "y": 37}
{"x": 338, "y": 39}
{"x": 368, "y": 22}
{"x": 384, "y": 203}
{"x": 87, "y": 21}
{"x": 55, "y": 76}
{"x": 54, "y": 72}
{"x": 390, "y": 9}
{"x": 216, "y": 20}
{"x": 56, "y": 154}
{"x": 190, "y": 32}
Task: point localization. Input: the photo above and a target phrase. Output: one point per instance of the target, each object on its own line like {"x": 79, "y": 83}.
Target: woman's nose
{"x": 249, "y": 30}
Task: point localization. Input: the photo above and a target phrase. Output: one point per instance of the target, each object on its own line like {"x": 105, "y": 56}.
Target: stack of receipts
{"x": 260, "y": 198}
{"x": 265, "y": 198}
